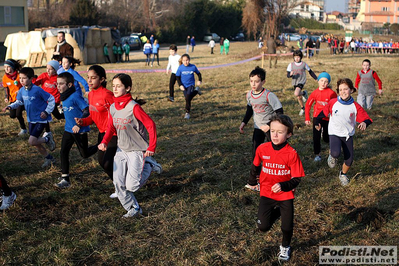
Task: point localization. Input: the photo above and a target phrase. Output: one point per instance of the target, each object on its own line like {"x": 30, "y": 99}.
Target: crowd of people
{"x": 127, "y": 137}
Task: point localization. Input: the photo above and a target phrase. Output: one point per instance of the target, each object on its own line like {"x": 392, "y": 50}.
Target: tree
{"x": 394, "y": 28}
{"x": 84, "y": 12}
{"x": 252, "y": 17}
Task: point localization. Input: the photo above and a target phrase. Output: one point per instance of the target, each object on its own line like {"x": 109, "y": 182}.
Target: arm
{"x": 178, "y": 78}
{"x": 357, "y": 81}
{"x": 308, "y": 107}
{"x": 252, "y": 176}
{"x": 81, "y": 80}
{"x": 50, "y": 104}
{"x": 289, "y": 74}
{"x": 290, "y": 185}
{"x": 108, "y": 134}
{"x": 379, "y": 82}
{"x": 312, "y": 74}
{"x": 248, "y": 115}
{"x": 149, "y": 125}
{"x": 6, "y": 94}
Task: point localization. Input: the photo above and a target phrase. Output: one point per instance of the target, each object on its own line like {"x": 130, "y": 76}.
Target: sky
{"x": 334, "y": 5}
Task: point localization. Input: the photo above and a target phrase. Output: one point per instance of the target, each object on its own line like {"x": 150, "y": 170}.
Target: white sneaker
{"x": 344, "y": 179}
{"x": 48, "y": 162}
{"x": 22, "y": 132}
{"x": 8, "y": 201}
{"x": 187, "y": 116}
{"x": 50, "y": 143}
{"x": 302, "y": 112}
{"x": 331, "y": 161}
{"x": 63, "y": 184}
{"x": 253, "y": 188}
{"x": 113, "y": 195}
{"x": 132, "y": 212}
{"x": 317, "y": 159}
{"x": 156, "y": 167}
{"x": 285, "y": 253}
{"x": 304, "y": 96}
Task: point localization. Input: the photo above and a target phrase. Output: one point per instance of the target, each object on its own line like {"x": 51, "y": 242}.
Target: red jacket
{"x": 49, "y": 84}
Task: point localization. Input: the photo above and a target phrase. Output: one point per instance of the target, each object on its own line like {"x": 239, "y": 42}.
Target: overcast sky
{"x": 334, "y": 5}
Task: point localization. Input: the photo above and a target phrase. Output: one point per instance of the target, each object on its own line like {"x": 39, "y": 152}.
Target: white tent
{"x": 21, "y": 45}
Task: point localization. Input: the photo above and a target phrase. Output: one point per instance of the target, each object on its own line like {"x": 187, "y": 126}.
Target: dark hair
{"x": 127, "y": 82}
{"x": 348, "y": 82}
{"x": 28, "y": 71}
{"x": 285, "y": 120}
{"x": 63, "y": 33}
{"x": 258, "y": 71}
{"x": 72, "y": 61}
{"x": 14, "y": 64}
{"x": 100, "y": 71}
{"x": 67, "y": 77}
{"x": 105, "y": 44}
{"x": 186, "y": 55}
{"x": 173, "y": 47}
{"x": 298, "y": 53}
{"x": 366, "y": 60}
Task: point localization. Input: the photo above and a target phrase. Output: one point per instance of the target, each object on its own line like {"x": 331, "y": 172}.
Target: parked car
{"x": 238, "y": 37}
{"x": 209, "y": 36}
{"x": 133, "y": 41}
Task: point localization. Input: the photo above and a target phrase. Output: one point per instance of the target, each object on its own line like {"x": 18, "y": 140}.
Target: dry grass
{"x": 197, "y": 211}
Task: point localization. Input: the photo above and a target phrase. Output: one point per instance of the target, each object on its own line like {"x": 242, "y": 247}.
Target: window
{"x": 12, "y": 16}
{"x": 385, "y": 8}
{"x": 307, "y": 8}
{"x": 302, "y": 7}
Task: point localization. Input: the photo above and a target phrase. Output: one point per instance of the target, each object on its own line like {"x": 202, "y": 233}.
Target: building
{"x": 353, "y": 7}
{"x": 313, "y": 9}
{"x": 13, "y": 17}
{"x": 379, "y": 11}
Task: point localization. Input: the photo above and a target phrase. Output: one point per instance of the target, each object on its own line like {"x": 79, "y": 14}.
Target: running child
{"x": 68, "y": 65}
{"x": 365, "y": 83}
{"x": 344, "y": 112}
{"x": 73, "y": 106}
{"x": 133, "y": 162}
{"x": 12, "y": 85}
{"x": 8, "y": 197}
{"x": 100, "y": 101}
{"x": 186, "y": 80}
{"x": 262, "y": 104}
{"x": 173, "y": 65}
{"x": 320, "y": 98}
{"x": 296, "y": 71}
{"x": 38, "y": 105}
{"x": 281, "y": 173}
{"x": 48, "y": 81}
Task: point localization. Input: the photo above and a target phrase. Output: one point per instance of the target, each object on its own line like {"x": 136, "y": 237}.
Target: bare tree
{"x": 252, "y": 17}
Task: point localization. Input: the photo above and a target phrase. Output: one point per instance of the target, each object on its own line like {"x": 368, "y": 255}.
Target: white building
{"x": 313, "y": 9}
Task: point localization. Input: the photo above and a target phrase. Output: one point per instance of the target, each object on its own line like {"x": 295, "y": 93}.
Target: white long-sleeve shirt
{"x": 173, "y": 63}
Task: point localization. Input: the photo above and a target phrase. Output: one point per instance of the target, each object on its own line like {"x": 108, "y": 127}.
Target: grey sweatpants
{"x": 130, "y": 173}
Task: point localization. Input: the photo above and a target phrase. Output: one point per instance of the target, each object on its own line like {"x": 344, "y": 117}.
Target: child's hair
{"x": 173, "y": 47}
{"x": 258, "y": 71}
{"x": 67, "y": 77}
{"x": 285, "y": 120}
{"x": 185, "y": 55}
{"x": 127, "y": 82}
{"x": 57, "y": 57}
{"x": 100, "y": 71}
{"x": 105, "y": 44}
{"x": 156, "y": 41}
{"x": 347, "y": 82}
{"x": 298, "y": 53}
{"x": 28, "y": 71}
{"x": 72, "y": 61}
{"x": 366, "y": 60}
{"x": 13, "y": 64}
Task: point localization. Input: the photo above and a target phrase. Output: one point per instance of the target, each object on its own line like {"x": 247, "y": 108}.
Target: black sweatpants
{"x": 189, "y": 94}
{"x": 268, "y": 214}
{"x": 81, "y": 140}
{"x": 258, "y": 138}
{"x": 4, "y": 187}
{"x": 317, "y": 135}
{"x": 17, "y": 113}
{"x": 106, "y": 158}
{"x": 172, "y": 83}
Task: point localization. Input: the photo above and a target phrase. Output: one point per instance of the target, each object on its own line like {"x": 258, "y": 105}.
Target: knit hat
{"x": 54, "y": 64}
{"x": 324, "y": 75}
{"x": 9, "y": 63}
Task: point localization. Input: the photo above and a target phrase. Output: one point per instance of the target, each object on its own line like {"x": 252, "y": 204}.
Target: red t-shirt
{"x": 100, "y": 100}
{"x": 277, "y": 166}
{"x": 321, "y": 99}
{"x": 49, "y": 84}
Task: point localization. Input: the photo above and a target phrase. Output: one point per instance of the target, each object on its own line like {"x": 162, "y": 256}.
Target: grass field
{"x": 197, "y": 212}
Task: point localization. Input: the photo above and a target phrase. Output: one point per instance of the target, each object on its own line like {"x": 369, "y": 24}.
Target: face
{"x": 62, "y": 85}
{"x": 185, "y": 61}
{"x": 94, "y": 80}
{"x": 172, "y": 52}
{"x": 60, "y": 37}
{"x": 297, "y": 58}
{"x": 50, "y": 70}
{"x": 24, "y": 80}
{"x": 323, "y": 83}
{"x": 278, "y": 133}
{"x": 366, "y": 66}
{"x": 65, "y": 63}
{"x": 118, "y": 88}
{"x": 256, "y": 83}
{"x": 8, "y": 69}
{"x": 344, "y": 91}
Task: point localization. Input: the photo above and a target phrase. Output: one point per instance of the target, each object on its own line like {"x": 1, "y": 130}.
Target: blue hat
{"x": 54, "y": 64}
{"x": 324, "y": 75}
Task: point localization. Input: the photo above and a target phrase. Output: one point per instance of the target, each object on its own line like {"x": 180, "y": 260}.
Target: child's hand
{"x": 380, "y": 92}
{"x": 6, "y": 108}
{"x": 362, "y": 126}
{"x": 181, "y": 87}
{"x": 199, "y": 83}
{"x": 318, "y": 127}
{"x": 86, "y": 94}
{"x": 291, "y": 73}
{"x": 102, "y": 147}
{"x": 75, "y": 129}
{"x": 265, "y": 128}
{"x": 242, "y": 128}
{"x": 276, "y": 188}
{"x": 148, "y": 153}
{"x": 308, "y": 123}
{"x": 43, "y": 115}
{"x": 78, "y": 121}
{"x": 6, "y": 100}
